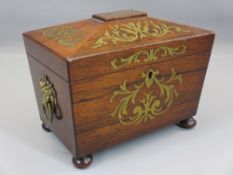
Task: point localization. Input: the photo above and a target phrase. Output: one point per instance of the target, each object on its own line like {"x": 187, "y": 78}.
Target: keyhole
{"x": 150, "y": 75}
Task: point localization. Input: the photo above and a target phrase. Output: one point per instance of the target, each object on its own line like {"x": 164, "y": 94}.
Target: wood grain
{"x": 100, "y": 64}
{"x": 97, "y": 86}
{"x": 95, "y": 113}
{"x": 85, "y": 80}
{"x": 64, "y": 128}
{"x": 92, "y": 107}
{"x": 104, "y": 137}
{"x": 47, "y": 58}
{"x": 119, "y": 15}
{"x": 93, "y": 30}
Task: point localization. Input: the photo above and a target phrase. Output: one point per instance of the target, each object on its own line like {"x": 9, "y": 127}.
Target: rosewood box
{"x": 101, "y": 81}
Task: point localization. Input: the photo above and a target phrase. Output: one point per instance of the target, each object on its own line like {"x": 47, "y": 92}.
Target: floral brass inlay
{"x": 64, "y": 35}
{"x": 133, "y": 31}
{"x": 150, "y": 55}
{"x": 134, "y": 108}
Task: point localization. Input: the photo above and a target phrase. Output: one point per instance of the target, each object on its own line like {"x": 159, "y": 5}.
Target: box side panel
{"x": 116, "y": 107}
{"x": 63, "y": 127}
{"x": 46, "y": 57}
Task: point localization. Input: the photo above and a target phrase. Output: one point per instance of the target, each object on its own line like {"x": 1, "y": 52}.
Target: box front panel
{"x": 132, "y": 57}
{"x": 115, "y": 107}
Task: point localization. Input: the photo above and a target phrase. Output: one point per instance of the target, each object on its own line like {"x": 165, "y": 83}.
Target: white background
{"x": 25, "y": 149}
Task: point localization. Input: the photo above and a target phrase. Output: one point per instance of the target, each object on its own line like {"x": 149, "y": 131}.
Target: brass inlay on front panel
{"x": 149, "y": 56}
{"x": 146, "y": 100}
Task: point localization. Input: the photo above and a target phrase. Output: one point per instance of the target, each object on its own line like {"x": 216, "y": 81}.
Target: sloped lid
{"x": 109, "y": 32}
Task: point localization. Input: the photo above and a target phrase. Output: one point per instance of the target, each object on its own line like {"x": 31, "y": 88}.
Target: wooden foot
{"x": 45, "y": 128}
{"x": 187, "y": 123}
{"x": 82, "y": 162}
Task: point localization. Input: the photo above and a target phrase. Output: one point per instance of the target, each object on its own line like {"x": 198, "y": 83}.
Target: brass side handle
{"x": 49, "y": 102}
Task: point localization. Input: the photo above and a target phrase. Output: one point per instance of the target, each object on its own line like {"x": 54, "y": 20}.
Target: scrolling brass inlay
{"x": 133, "y": 31}
{"x": 134, "y": 108}
{"x": 150, "y": 55}
{"x": 64, "y": 35}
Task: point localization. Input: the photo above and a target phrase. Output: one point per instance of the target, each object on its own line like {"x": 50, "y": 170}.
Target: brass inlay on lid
{"x": 134, "y": 31}
{"x": 64, "y": 35}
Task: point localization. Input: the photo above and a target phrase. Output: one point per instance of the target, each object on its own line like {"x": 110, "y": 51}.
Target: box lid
{"x": 108, "y": 32}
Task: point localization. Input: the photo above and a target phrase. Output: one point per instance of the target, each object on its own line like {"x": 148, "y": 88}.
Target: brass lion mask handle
{"x": 50, "y": 106}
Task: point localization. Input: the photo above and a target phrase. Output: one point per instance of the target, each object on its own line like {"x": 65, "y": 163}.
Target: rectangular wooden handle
{"x": 119, "y": 15}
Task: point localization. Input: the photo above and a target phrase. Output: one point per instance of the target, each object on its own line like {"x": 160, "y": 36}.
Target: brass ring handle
{"x": 50, "y": 106}
{"x": 50, "y": 112}
{"x": 47, "y": 118}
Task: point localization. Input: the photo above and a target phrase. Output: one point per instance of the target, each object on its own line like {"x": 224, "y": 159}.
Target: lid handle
{"x": 119, "y": 15}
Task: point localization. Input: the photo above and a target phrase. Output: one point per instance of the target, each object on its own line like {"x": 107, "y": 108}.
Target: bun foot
{"x": 187, "y": 123}
{"x": 45, "y": 128}
{"x": 82, "y": 162}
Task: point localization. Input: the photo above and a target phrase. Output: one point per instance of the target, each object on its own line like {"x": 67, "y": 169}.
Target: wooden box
{"x": 101, "y": 81}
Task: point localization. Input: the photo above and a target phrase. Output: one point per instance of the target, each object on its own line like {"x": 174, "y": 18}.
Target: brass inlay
{"x": 64, "y": 35}
{"x": 142, "y": 103}
{"x": 133, "y": 31}
{"x": 48, "y": 100}
{"x": 149, "y": 55}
